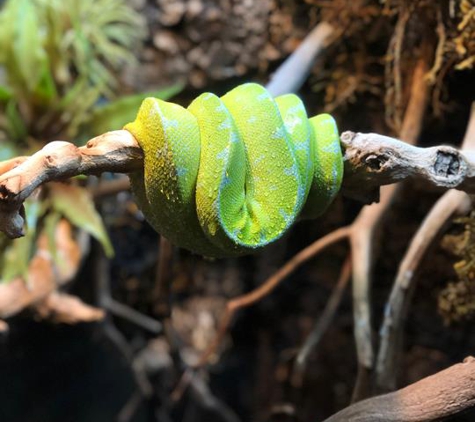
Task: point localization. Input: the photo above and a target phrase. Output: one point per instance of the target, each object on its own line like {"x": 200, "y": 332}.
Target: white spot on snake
{"x": 181, "y": 171}
{"x": 287, "y": 218}
{"x": 169, "y": 123}
{"x": 263, "y": 96}
{"x": 301, "y": 192}
{"x": 252, "y": 119}
{"x": 222, "y": 155}
{"x": 259, "y": 159}
{"x": 291, "y": 171}
{"x": 297, "y": 108}
{"x": 225, "y": 125}
{"x": 333, "y": 186}
{"x": 226, "y": 181}
{"x": 301, "y": 146}
{"x": 207, "y": 96}
{"x": 333, "y": 148}
{"x": 237, "y": 233}
{"x": 291, "y": 122}
{"x": 279, "y": 133}
{"x": 220, "y": 108}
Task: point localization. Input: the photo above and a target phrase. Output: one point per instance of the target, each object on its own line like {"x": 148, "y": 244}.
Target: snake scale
{"x": 229, "y": 175}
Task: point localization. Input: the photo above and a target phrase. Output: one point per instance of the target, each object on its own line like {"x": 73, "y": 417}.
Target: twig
{"x": 209, "y": 401}
{"x": 322, "y": 325}
{"x": 129, "y": 410}
{"x": 270, "y": 284}
{"x": 364, "y": 231}
{"x": 294, "y": 71}
{"x": 161, "y": 290}
{"x": 110, "y": 187}
{"x": 435, "y": 398}
{"x": 114, "y": 151}
{"x": 130, "y": 314}
{"x": 391, "y": 332}
{"x": 102, "y": 280}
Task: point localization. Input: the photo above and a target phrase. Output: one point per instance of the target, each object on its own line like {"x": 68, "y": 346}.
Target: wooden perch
{"x": 434, "y": 398}
{"x": 371, "y": 160}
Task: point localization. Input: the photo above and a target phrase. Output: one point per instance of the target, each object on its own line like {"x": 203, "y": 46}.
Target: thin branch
{"x": 130, "y": 314}
{"x": 269, "y": 285}
{"x": 110, "y": 187}
{"x": 373, "y": 160}
{"x": 102, "y": 280}
{"x": 292, "y": 74}
{"x": 391, "y": 333}
{"x": 114, "y": 151}
{"x": 435, "y": 398}
{"x": 322, "y": 325}
{"x": 161, "y": 289}
{"x": 204, "y": 396}
{"x": 366, "y": 225}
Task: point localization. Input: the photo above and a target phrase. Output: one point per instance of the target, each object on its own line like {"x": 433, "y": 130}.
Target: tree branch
{"x": 371, "y": 160}
{"x": 366, "y": 228}
{"x": 434, "y": 398}
{"x": 391, "y": 333}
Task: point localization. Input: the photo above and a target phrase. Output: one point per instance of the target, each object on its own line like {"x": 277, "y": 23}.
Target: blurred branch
{"x": 3, "y": 327}
{"x": 45, "y": 275}
{"x": 435, "y": 398}
{"x": 292, "y": 74}
{"x": 322, "y": 325}
{"x": 366, "y": 226}
{"x": 270, "y": 284}
{"x": 391, "y": 333}
{"x": 67, "y": 309}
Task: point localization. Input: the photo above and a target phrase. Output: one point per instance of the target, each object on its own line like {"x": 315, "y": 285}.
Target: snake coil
{"x": 229, "y": 175}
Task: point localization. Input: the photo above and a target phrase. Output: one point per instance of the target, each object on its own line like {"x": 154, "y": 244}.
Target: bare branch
{"x": 391, "y": 333}
{"x": 434, "y": 398}
{"x": 292, "y": 74}
{"x": 269, "y": 285}
{"x": 322, "y": 325}
{"x": 116, "y": 151}
{"x": 366, "y": 227}
{"x": 371, "y": 160}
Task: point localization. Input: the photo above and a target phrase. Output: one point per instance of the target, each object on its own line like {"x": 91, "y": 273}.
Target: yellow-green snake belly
{"x": 229, "y": 175}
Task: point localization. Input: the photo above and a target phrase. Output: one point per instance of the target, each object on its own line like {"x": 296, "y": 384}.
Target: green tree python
{"x": 229, "y": 175}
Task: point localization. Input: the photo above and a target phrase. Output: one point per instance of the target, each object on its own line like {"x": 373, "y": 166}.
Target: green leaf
{"x": 76, "y": 204}
{"x": 16, "y": 127}
{"x": 45, "y": 90}
{"x": 5, "y": 94}
{"x": 118, "y": 113}
{"x": 28, "y": 47}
